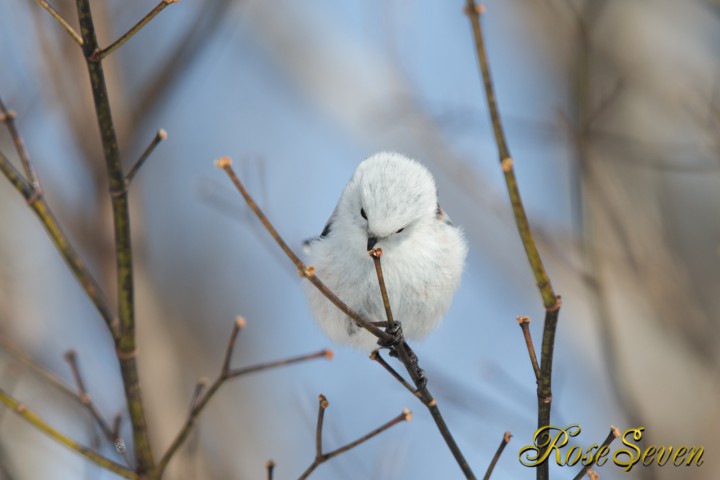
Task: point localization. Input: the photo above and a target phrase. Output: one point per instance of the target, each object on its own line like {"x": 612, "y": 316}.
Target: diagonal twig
{"x": 111, "y": 433}
{"x": 614, "y": 433}
{"x": 503, "y": 443}
{"x": 101, "y": 53}
{"x": 308, "y": 272}
{"x": 8, "y": 117}
{"x": 159, "y": 137}
{"x": 37, "y": 202}
{"x": 56, "y": 15}
{"x": 524, "y": 322}
{"x": 375, "y": 355}
{"x": 40, "y": 424}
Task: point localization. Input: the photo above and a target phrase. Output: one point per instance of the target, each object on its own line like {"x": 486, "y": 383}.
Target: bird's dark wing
{"x": 441, "y": 215}
{"x": 325, "y": 232}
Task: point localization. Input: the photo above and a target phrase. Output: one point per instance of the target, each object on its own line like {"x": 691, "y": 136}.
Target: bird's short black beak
{"x": 371, "y": 243}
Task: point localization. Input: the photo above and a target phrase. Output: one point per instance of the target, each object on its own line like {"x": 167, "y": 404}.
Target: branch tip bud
{"x": 407, "y": 414}
{"x": 161, "y": 134}
{"x": 522, "y": 319}
{"x": 615, "y": 431}
{"x": 507, "y": 437}
{"x": 375, "y": 252}
{"x": 223, "y": 162}
{"x": 240, "y": 322}
{"x": 329, "y": 354}
{"x": 323, "y": 401}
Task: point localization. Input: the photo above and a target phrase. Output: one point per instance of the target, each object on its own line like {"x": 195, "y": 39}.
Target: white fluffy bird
{"x": 390, "y": 203}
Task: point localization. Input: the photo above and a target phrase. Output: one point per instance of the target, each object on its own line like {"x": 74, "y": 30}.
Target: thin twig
{"x": 54, "y": 13}
{"x": 321, "y": 457}
{"x": 375, "y": 355}
{"x": 308, "y": 272}
{"x": 524, "y": 323}
{"x": 83, "y": 275}
{"x": 53, "y": 380}
{"x": 126, "y": 346}
{"x": 239, "y": 324}
{"x": 327, "y": 354}
{"x": 117, "y": 423}
{"x": 226, "y": 374}
{"x": 104, "y": 52}
{"x": 323, "y": 404}
{"x": 200, "y": 386}
{"x": 47, "y": 375}
{"x": 40, "y": 424}
{"x": 159, "y": 137}
{"x": 614, "y": 433}
{"x": 376, "y": 254}
{"x": 86, "y": 401}
{"x": 270, "y": 467}
{"x": 8, "y": 117}
{"x": 71, "y": 359}
{"x": 503, "y": 443}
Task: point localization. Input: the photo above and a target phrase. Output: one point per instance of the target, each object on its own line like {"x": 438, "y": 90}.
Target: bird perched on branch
{"x": 389, "y": 203}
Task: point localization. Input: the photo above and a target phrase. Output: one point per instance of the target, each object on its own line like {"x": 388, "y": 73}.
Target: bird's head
{"x": 389, "y": 196}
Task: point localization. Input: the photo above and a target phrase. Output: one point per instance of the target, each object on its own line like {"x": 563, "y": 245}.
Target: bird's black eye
{"x": 363, "y": 214}
{"x": 400, "y": 230}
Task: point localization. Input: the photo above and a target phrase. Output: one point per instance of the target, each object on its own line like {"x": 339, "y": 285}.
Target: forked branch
{"x": 322, "y": 457}
{"x": 200, "y": 399}
{"x": 101, "y": 53}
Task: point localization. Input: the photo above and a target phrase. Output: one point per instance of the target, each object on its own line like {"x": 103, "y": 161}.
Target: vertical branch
{"x": 550, "y": 300}
{"x": 541, "y": 278}
{"x": 126, "y": 348}
{"x": 270, "y": 468}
